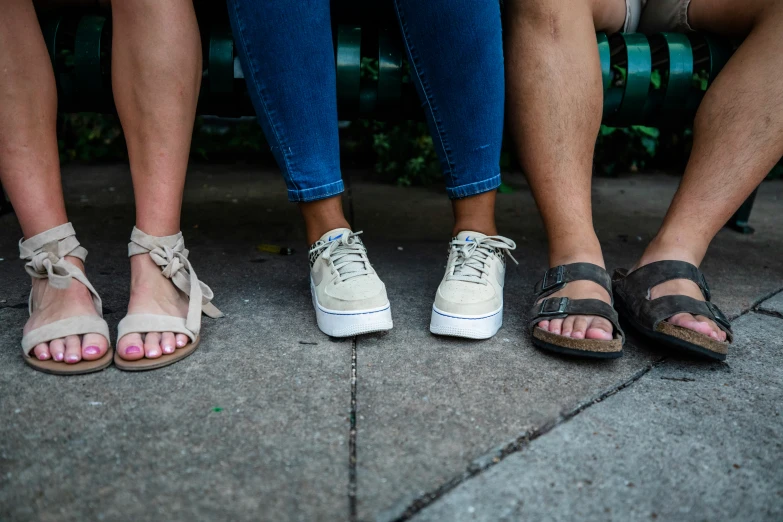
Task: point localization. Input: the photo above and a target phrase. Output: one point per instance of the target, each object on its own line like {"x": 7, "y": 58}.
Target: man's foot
{"x": 697, "y": 323}
{"x": 469, "y": 299}
{"x": 582, "y": 326}
{"x": 51, "y": 304}
{"x": 348, "y": 296}
{"x": 152, "y": 293}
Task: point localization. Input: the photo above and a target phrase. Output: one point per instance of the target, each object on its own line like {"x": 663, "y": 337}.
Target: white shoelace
{"x": 346, "y": 255}
{"x": 471, "y": 262}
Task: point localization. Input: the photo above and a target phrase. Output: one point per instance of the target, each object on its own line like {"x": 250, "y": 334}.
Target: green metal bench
{"x": 656, "y": 81}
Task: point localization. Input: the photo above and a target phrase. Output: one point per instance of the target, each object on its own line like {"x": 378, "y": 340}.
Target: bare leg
{"x": 156, "y": 75}
{"x": 322, "y": 216}
{"x": 738, "y": 138}
{"x": 30, "y": 170}
{"x": 476, "y": 213}
{"x": 555, "y": 121}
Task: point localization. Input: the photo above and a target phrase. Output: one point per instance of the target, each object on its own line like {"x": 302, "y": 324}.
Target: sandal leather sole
{"x": 80, "y": 368}
{"x": 676, "y": 337}
{"x": 153, "y": 364}
{"x": 586, "y": 348}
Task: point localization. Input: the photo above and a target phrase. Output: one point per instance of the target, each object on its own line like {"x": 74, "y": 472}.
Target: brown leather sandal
{"x": 556, "y": 279}
{"x": 648, "y": 316}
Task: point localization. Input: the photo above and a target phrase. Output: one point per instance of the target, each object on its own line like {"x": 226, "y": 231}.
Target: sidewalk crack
{"x": 353, "y": 513}
{"x": 491, "y": 459}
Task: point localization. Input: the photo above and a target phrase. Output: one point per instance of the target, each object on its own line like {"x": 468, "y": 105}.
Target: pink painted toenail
{"x": 92, "y": 350}
{"x": 130, "y": 350}
{"x": 168, "y": 349}
{"x": 58, "y": 357}
{"x": 42, "y": 357}
{"x": 72, "y": 358}
{"x": 180, "y": 343}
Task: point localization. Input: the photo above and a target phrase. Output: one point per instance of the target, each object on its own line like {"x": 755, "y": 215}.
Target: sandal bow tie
{"x": 170, "y": 254}
{"x": 44, "y": 254}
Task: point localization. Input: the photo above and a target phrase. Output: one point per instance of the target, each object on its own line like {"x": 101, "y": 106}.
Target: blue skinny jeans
{"x": 456, "y": 55}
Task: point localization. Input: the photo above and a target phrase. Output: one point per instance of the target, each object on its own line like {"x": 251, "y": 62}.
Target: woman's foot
{"x": 51, "y": 304}
{"x": 152, "y": 293}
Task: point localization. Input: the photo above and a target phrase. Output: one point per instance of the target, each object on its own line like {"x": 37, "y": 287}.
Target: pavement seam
{"x": 353, "y": 513}
{"x": 487, "y": 461}
{"x": 754, "y": 307}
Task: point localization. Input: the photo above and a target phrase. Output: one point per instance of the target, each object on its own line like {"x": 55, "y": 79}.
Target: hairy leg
{"x": 738, "y": 138}
{"x": 156, "y": 76}
{"x": 30, "y": 170}
{"x": 555, "y": 120}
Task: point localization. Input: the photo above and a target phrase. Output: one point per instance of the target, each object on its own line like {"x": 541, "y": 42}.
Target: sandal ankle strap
{"x": 45, "y": 255}
{"x": 170, "y": 254}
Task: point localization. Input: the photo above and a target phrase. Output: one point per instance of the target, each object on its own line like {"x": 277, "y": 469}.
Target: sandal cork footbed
{"x": 153, "y": 364}
{"x": 579, "y": 347}
{"x": 692, "y": 337}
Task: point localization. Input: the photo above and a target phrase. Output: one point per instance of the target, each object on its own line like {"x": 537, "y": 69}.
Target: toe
{"x": 708, "y": 327}
{"x": 698, "y": 324}
{"x": 152, "y": 348}
{"x": 131, "y": 347}
{"x": 73, "y": 349}
{"x": 182, "y": 340}
{"x": 57, "y": 349}
{"x": 94, "y": 346}
{"x": 556, "y": 326}
{"x": 580, "y": 327}
{"x": 167, "y": 342}
{"x": 41, "y": 352}
{"x": 544, "y": 325}
{"x": 568, "y": 326}
{"x": 600, "y": 329}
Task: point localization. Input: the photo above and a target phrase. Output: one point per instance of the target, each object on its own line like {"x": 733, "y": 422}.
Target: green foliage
{"x": 404, "y": 152}
{"x": 215, "y": 140}
{"x": 622, "y": 149}
{"x": 88, "y": 137}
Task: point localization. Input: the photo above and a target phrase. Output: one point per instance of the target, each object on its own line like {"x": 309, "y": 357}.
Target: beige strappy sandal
{"x": 170, "y": 254}
{"x": 45, "y": 255}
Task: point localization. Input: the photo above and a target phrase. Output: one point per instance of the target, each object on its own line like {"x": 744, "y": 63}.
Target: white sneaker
{"x": 348, "y": 296}
{"x": 469, "y": 300}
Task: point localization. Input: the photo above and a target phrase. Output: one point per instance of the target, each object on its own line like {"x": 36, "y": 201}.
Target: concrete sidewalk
{"x": 271, "y": 420}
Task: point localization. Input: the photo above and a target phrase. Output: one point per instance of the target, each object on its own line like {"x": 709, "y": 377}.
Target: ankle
{"x": 581, "y": 249}
{"x": 663, "y": 249}
{"x": 486, "y": 228}
{"x": 316, "y": 230}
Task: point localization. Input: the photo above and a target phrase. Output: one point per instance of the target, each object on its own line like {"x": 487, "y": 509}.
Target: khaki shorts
{"x": 656, "y": 16}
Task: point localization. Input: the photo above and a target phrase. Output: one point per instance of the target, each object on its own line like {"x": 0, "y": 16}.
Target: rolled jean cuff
{"x": 316, "y": 193}
{"x": 471, "y": 189}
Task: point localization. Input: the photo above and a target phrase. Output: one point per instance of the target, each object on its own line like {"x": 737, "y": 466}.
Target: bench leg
{"x": 739, "y": 221}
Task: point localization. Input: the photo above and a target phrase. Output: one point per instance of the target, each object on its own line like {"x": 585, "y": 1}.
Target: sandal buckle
{"x": 553, "y": 278}
{"x": 706, "y": 288}
{"x": 548, "y": 307}
{"x": 718, "y": 315}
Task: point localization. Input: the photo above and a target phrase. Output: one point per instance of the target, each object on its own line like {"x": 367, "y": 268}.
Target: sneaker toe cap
{"x": 359, "y": 293}
{"x": 464, "y": 298}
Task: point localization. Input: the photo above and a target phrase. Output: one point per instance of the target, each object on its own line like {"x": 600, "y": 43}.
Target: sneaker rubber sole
{"x": 469, "y": 326}
{"x": 336, "y": 323}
